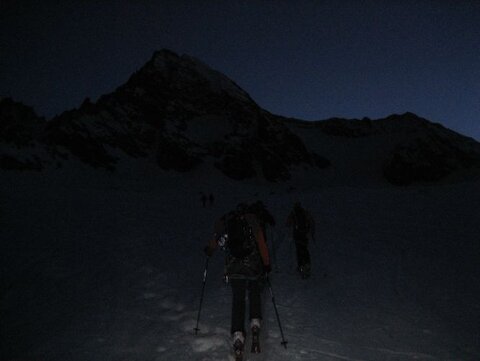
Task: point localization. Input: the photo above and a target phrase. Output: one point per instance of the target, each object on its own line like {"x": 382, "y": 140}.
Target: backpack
{"x": 241, "y": 241}
{"x": 302, "y": 225}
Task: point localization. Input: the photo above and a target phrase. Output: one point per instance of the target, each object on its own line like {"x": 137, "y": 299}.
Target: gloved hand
{"x": 267, "y": 268}
{"x": 208, "y": 251}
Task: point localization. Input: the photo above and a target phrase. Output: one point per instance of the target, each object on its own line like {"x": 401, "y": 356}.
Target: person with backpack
{"x": 246, "y": 262}
{"x": 303, "y": 225}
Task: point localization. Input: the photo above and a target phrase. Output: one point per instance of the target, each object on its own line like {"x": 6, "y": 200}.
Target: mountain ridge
{"x": 180, "y": 114}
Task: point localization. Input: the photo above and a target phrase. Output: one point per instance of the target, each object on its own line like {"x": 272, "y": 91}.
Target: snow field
{"x": 112, "y": 270}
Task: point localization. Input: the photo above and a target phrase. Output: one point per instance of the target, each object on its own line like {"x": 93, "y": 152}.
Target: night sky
{"x": 305, "y": 59}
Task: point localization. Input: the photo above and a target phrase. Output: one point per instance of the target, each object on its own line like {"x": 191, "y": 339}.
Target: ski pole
{"x": 196, "y": 329}
{"x": 284, "y": 342}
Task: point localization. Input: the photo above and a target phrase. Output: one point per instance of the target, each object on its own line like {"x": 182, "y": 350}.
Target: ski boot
{"x": 238, "y": 345}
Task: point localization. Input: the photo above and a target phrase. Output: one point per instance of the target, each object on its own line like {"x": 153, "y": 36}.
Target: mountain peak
{"x": 161, "y": 58}
{"x": 407, "y": 116}
{"x": 186, "y": 71}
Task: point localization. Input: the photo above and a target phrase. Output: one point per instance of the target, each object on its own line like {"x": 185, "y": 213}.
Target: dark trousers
{"x": 239, "y": 290}
{"x": 301, "y": 244}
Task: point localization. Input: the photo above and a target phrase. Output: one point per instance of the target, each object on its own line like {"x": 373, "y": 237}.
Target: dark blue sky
{"x": 306, "y": 59}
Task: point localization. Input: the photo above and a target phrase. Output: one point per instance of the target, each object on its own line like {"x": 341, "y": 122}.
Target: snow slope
{"x": 100, "y": 266}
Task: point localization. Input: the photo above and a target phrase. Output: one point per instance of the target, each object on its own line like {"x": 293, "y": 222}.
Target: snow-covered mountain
{"x": 402, "y": 149}
{"x": 178, "y": 113}
{"x": 107, "y": 265}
